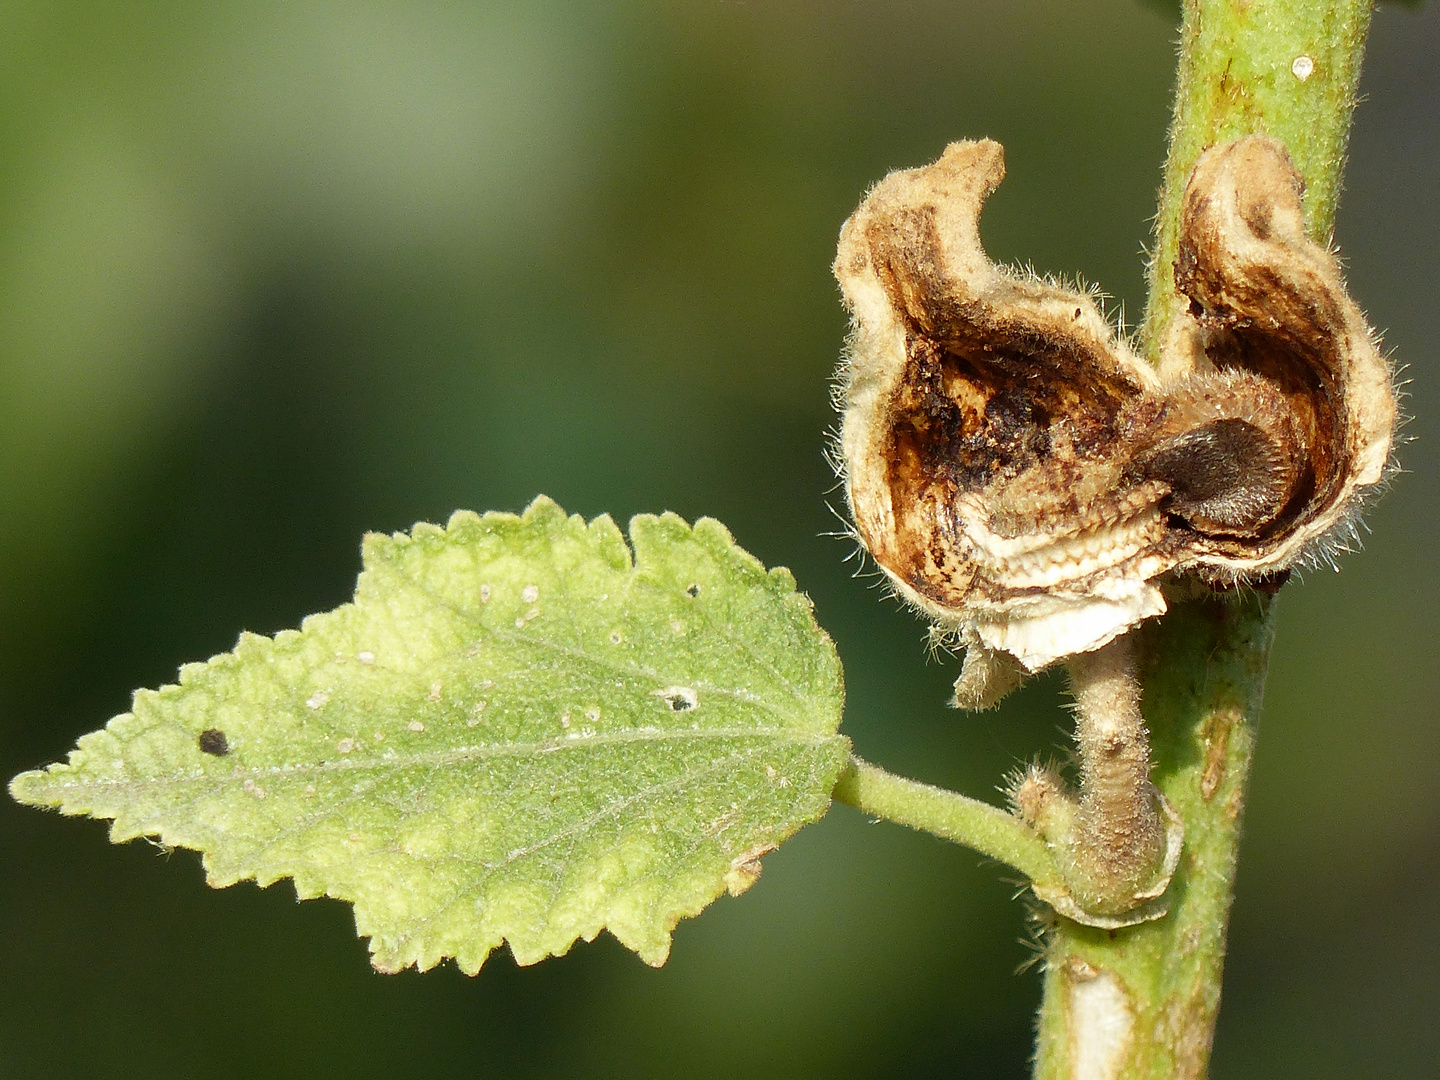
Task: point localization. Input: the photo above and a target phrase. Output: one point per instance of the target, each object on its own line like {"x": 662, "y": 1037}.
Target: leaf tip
{"x": 719, "y": 540}
{"x": 783, "y": 581}
{"x": 191, "y": 671}
{"x": 543, "y": 510}
{"x": 423, "y": 531}
{"x": 462, "y": 521}
{"x": 612, "y": 543}
{"x": 375, "y": 547}
{"x": 745, "y": 869}
{"x": 27, "y": 788}
{"x": 711, "y": 529}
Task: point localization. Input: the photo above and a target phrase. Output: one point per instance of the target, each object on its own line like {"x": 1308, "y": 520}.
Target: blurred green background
{"x": 276, "y": 273}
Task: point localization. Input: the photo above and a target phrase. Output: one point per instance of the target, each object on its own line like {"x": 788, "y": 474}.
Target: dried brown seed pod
{"x": 1269, "y": 304}
{"x": 1024, "y": 479}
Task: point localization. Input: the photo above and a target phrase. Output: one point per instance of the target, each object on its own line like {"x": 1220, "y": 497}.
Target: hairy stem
{"x": 1118, "y": 842}
{"x": 1203, "y": 675}
{"x": 988, "y": 829}
{"x": 1141, "y": 1002}
{"x": 1241, "y": 67}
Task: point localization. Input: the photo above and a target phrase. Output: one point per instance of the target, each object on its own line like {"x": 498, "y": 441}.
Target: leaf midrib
{"x": 452, "y": 756}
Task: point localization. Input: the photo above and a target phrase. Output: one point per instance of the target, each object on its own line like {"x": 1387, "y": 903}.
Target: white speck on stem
{"x": 308, "y": 789}
{"x": 317, "y": 699}
{"x": 530, "y": 593}
{"x": 565, "y": 719}
{"x": 1101, "y": 1020}
{"x": 435, "y": 688}
{"x": 416, "y": 726}
{"x": 592, "y": 714}
{"x": 365, "y": 657}
{"x": 484, "y": 594}
{"x": 1302, "y": 67}
{"x": 475, "y": 710}
{"x": 379, "y": 736}
{"x": 616, "y": 637}
{"x": 345, "y": 745}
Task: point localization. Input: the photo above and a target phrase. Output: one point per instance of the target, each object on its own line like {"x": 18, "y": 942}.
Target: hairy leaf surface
{"x": 515, "y": 733}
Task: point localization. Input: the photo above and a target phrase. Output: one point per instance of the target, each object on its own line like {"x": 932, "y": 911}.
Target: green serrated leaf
{"x": 513, "y": 734}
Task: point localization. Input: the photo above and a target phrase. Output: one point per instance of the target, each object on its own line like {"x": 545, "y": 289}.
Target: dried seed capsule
{"x": 986, "y": 427}
{"x": 1023, "y": 478}
{"x": 1267, "y": 304}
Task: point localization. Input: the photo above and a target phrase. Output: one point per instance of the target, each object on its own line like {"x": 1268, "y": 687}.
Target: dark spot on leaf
{"x": 693, "y": 590}
{"x": 213, "y": 741}
{"x": 679, "y": 698}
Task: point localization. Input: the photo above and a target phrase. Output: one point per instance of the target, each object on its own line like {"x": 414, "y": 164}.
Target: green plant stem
{"x": 1141, "y": 1002}
{"x": 988, "y": 829}
{"x": 1237, "y": 77}
{"x": 1204, "y": 676}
